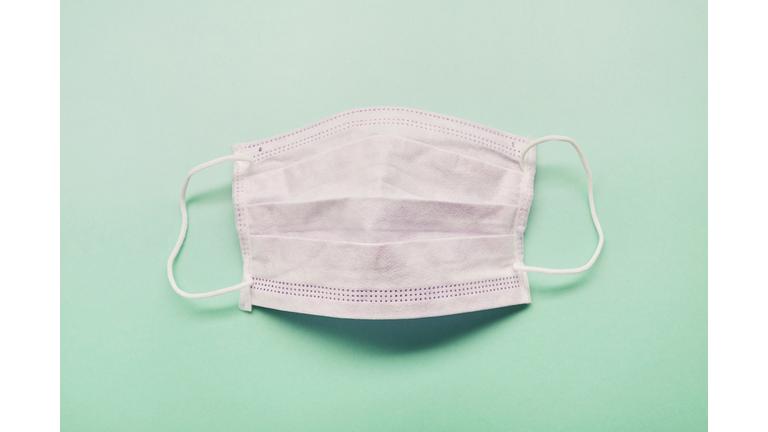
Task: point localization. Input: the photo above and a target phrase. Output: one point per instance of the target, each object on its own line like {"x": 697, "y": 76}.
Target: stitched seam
{"x": 242, "y": 227}
{"x": 386, "y": 296}
{"x": 454, "y": 120}
{"x": 365, "y": 122}
{"x": 518, "y": 217}
{"x": 404, "y": 122}
{"x": 523, "y": 208}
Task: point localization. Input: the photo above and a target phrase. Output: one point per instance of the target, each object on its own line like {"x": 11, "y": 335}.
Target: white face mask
{"x": 384, "y": 213}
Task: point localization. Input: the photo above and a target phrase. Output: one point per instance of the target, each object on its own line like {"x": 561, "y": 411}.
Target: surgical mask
{"x": 384, "y": 213}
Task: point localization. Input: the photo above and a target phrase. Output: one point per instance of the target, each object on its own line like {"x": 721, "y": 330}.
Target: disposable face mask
{"x": 384, "y": 213}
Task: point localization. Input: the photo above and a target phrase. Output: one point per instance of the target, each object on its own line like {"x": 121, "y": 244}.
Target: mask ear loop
{"x": 525, "y": 268}
{"x": 183, "y": 233}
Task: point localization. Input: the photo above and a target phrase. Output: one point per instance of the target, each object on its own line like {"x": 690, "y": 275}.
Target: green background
{"x": 150, "y": 89}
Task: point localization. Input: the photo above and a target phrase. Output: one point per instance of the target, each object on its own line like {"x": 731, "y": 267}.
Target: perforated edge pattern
{"x": 510, "y": 149}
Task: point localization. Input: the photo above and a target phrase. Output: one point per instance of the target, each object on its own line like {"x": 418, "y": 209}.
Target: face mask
{"x": 384, "y": 213}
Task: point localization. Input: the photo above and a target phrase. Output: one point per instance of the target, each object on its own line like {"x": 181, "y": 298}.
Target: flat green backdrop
{"x": 150, "y": 89}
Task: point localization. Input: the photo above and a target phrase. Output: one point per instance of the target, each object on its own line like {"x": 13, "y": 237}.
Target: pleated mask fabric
{"x": 384, "y": 213}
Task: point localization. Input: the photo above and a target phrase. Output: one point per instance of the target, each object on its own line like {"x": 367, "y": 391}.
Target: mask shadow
{"x": 397, "y": 336}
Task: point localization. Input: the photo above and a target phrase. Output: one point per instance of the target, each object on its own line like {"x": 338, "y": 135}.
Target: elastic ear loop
{"x": 525, "y": 268}
{"x": 183, "y": 233}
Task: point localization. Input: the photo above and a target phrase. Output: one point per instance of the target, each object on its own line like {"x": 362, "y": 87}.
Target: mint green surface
{"x": 150, "y": 89}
